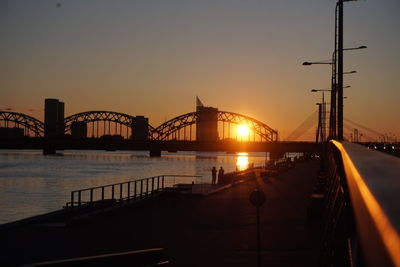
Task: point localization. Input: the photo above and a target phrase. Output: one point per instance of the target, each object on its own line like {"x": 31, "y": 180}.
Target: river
{"x": 32, "y": 184}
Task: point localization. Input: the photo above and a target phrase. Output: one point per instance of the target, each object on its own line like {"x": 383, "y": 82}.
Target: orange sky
{"x": 153, "y": 57}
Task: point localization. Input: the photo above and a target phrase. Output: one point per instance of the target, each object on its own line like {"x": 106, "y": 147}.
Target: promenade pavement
{"x": 217, "y": 230}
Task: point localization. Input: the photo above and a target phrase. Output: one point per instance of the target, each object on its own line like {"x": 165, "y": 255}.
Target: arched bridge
{"x": 105, "y": 122}
{"x": 177, "y": 134}
{"x": 30, "y": 124}
{"x": 181, "y": 127}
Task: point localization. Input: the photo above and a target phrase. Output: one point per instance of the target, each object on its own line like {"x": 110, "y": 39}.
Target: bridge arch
{"x": 31, "y": 124}
{"x": 122, "y": 123}
{"x": 183, "y": 127}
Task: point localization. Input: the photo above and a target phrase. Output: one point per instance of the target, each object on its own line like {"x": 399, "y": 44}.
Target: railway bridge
{"x": 206, "y": 129}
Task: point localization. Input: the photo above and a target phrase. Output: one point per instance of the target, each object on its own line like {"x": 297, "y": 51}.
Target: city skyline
{"x": 152, "y": 58}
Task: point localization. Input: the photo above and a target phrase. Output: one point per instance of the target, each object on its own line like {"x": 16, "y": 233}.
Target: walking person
{"x": 214, "y": 175}
{"x": 220, "y": 174}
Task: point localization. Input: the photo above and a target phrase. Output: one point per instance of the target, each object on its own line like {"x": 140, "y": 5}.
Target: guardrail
{"x": 362, "y": 207}
{"x": 146, "y": 257}
{"x": 114, "y": 194}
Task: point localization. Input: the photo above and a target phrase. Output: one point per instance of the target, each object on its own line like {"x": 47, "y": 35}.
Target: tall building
{"x": 140, "y": 128}
{"x": 206, "y": 123}
{"x": 53, "y": 118}
{"x": 60, "y": 119}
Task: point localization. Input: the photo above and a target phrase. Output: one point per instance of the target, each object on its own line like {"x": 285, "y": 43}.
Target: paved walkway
{"x": 217, "y": 230}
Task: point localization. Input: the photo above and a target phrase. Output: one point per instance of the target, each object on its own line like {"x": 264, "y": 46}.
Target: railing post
{"x": 79, "y": 198}
{"x": 135, "y": 193}
{"x": 112, "y": 194}
{"x": 129, "y": 190}
{"x": 120, "y": 193}
{"x": 141, "y": 189}
{"x": 91, "y": 195}
{"x": 152, "y": 185}
{"x": 102, "y": 195}
{"x": 72, "y": 199}
{"x": 162, "y": 183}
{"x": 158, "y": 183}
{"x": 147, "y": 187}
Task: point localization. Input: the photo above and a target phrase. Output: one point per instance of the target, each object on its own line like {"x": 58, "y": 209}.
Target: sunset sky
{"x": 146, "y": 57}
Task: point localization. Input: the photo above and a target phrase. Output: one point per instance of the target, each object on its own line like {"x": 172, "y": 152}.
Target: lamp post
{"x": 319, "y": 127}
{"x": 335, "y": 87}
{"x": 321, "y": 115}
{"x": 339, "y": 49}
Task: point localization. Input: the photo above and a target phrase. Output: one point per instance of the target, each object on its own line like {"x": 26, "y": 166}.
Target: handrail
{"x": 123, "y": 191}
{"x": 372, "y": 180}
{"x": 144, "y": 257}
{"x": 165, "y": 175}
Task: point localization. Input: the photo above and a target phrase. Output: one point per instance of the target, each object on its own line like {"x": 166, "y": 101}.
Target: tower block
{"x": 206, "y": 123}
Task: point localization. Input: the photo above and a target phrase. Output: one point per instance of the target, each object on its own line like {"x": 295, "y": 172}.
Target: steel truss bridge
{"x": 180, "y": 128}
{"x": 176, "y": 134}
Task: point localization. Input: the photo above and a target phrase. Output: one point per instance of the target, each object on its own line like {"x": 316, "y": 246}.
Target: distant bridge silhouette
{"x": 102, "y": 123}
{"x": 172, "y": 128}
{"x": 94, "y": 117}
{"x": 29, "y": 123}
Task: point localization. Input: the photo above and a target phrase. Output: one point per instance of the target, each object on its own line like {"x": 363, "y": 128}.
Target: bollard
{"x": 257, "y": 199}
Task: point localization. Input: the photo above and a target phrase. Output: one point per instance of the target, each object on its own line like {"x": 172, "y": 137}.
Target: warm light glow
{"x": 242, "y": 162}
{"x": 243, "y": 131}
{"x": 367, "y": 200}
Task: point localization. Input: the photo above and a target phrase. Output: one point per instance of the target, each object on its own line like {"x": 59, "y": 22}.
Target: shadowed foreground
{"x": 217, "y": 230}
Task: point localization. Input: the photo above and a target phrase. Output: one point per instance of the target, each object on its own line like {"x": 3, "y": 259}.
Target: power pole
{"x": 340, "y": 72}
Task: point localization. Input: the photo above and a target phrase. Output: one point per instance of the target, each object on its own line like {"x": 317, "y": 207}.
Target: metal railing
{"x": 118, "y": 193}
{"x": 362, "y": 203}
{"x": 145, "y": 257}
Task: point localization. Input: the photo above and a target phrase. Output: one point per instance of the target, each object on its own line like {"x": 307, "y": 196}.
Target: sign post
{"x": 257, "y": 199}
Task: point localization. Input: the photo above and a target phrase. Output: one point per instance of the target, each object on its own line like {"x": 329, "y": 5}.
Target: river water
{"x": 32, "y": 184}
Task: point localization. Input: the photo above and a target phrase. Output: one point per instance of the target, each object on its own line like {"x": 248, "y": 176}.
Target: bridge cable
{"x": 304, "y": 127}
{"x": 350, "y": 129}
{"x": 362, "y": 126}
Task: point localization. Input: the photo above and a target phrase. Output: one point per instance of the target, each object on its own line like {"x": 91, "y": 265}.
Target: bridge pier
{"x": 155, "y": 153}
{"x": 49, "y": 149}
{"x": 276, "y": 153}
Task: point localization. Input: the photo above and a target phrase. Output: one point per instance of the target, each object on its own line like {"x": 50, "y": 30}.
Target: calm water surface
{"x": 32, "y": 184}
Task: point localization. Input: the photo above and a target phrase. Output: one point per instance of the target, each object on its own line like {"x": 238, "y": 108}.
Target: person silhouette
{"x": 220, "y": 173}
{"x": 214, "y": 175}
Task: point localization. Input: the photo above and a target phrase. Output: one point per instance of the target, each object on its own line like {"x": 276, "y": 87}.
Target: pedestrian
{"x": 220, "y": 174}
{"x": 214, "y": 175}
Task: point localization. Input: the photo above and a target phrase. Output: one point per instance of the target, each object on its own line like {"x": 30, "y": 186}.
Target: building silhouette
{"x": 206, "y": 123}
{"x": 53, "y": 118}
{"x": 140, "y": 128}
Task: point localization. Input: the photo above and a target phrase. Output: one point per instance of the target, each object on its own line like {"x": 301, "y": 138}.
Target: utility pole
{"x": 319, "y": 127}
{"x": 340, "y": 72}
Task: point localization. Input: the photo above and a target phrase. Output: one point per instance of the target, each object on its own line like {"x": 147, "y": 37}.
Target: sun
{"x": 243, "y": 131}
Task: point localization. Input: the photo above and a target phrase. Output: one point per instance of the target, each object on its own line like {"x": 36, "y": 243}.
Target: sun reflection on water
{"x": 242, "y": 162}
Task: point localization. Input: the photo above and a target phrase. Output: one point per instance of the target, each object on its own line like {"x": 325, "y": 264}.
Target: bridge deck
{"x": 218, "y": 230}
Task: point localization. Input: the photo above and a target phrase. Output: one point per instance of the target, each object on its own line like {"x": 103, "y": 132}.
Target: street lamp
{"x": 320, "y": 90}
{"x": 350, "y": 72}
{"x": 335, "y": 88}
{"x": 327, "y": 90}
{"x": 313, "y": 63}
{"x": 339, "y": 50}
{"x": 355, "y": 48}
